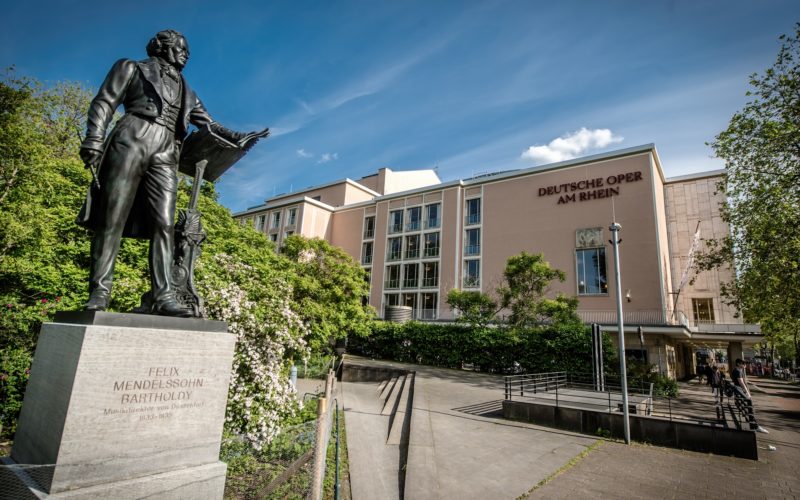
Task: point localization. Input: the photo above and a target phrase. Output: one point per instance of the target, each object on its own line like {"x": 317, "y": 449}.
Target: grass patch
{"x": 574, "y": 460}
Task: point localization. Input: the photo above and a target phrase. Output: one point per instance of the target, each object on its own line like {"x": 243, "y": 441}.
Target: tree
{"x": 330, "y": 290}
{"x": 475, "y": 308}
{"x": 527, "y": 279}
{"x": 761, "y": 149}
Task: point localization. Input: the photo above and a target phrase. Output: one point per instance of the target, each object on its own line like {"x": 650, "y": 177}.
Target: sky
{"x": 464, "y": 87}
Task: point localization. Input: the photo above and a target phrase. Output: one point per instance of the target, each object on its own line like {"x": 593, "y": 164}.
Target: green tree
{"x": 761, "y": 149}
{"x": 527, "y": 279}
{"x": 330, "y": 290}
{"x": 475, "y": 308}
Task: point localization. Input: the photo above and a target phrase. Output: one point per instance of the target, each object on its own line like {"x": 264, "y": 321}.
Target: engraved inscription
{"x": 161, "y": 391}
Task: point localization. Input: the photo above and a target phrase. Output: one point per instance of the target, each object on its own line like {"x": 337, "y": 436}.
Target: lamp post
{"x": 615, "y": 241}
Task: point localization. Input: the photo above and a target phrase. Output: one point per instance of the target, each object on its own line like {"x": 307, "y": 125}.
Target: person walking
{"x": 742, "y": 393}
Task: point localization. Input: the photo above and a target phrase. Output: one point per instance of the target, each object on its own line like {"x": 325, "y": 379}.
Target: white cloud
{"x": 302, "y": 153}
{"x": 326, "y": 157}
{"x": 571, "y": 145}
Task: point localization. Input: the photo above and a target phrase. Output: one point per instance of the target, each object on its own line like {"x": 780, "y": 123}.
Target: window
{"x": 287, "y": 234}
{"x": 369, "y": 227}
{"x": 703, "y": 310}
{"x": 414, "y": 216}
{"x": 292, "y": 217}
{"x": 432, "y": 244}
{"x": 273, "y": 237}
{"x": 391, "y": 299}
{"x": 410, "y": 274}
{"x": 395, "y": 221}
{"x": 394, "y": 249}
{"x": 472, "y": 273}
{"x": 473, "y": 211}
{"x": 276, "y": 220}
{"x": 472, "y": 245}
{"x": 432, "y": 216}
{"x": 366, "y": 253}
{"x": 392, "y": 277}
{"x": 428, "y": 304}
{"x": 591, "y": 270}
{"x": 410, "y": 300}
{"x": 261, "y": 225}
{"x": 412, "y": 246}
{"x": 430, "y": 274}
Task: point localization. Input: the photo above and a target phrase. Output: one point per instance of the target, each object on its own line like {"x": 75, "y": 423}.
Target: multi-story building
{"x": 418, "y": 238}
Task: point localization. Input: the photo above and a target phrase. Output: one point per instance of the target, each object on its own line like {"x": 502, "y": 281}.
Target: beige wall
{"x": 516, "y": 218}
{"x": 345, "y": 227}
{"x": 688, "y": 202}
{"x": 316, "y": 221}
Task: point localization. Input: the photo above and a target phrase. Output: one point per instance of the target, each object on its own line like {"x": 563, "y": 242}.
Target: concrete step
{"x": 387, "y": 389}
{"x": 400, "y": 420}
{"x": 391, "y": 401}
{"x": 382, "y": 385}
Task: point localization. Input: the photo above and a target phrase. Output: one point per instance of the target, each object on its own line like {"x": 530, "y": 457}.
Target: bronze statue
{"x": 135, "y": 167}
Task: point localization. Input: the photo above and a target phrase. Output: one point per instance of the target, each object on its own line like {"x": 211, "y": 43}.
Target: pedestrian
{"x": 709, "y": 372}
{"x": 742, "y": 392}
{"x": 716, "y": 380}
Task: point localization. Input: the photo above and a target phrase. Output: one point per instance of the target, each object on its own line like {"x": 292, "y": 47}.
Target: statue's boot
{"x": 172, "y": 308}
{"x": 98, "y": 301}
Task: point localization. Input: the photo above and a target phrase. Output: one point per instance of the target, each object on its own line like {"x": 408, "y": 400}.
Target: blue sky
{"x": 466, "y": 87}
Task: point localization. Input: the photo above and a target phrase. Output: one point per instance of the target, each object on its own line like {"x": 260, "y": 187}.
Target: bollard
{"x": 293, "y": 377}
{"x": 320, "y": 451}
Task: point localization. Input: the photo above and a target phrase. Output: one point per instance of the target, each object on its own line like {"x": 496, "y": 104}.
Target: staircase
{"x": 393, "y": 393}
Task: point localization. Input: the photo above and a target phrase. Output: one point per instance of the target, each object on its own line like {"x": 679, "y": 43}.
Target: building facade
{"x": 419, "y": 238}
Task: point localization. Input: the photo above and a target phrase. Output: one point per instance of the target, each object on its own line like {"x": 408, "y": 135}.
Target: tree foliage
{"x": 527, "y": 279}
{"x": 474, "y": 308}
{"x": 330, "y": 289}
{"x": 761, "y": 149}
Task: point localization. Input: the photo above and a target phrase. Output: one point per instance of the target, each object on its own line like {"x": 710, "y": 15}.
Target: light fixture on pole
{"x": 623, "y": 374}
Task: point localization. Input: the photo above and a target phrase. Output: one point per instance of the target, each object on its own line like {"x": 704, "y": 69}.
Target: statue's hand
{"x": 227, "y": 133}
{"x": 90, "y": 157}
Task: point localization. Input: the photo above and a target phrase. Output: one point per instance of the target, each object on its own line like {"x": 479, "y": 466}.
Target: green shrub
{"x": 15, "y": 366}
{"x": 501, "y": 349}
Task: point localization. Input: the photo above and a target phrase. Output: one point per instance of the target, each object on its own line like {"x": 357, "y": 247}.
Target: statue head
{"x": 171, "y": 46}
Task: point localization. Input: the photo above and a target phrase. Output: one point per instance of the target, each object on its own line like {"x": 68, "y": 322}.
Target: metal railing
{"x": 410, "y": 283}
{"x": 579, "y": 391}
{"x": 470, "y": 219}
{"x": 428, "y": 314}
{"x": 414, "y": 225}
{"x": 472, "y": 250}
{"x": 366, "y": 259}
{"x": 391, "y": 283}
{"x": 396, "y": 228}
{"x": 394, "y": 255}
{"x": 432, "y": 251}
{"x": 412, "y": 254}
{"x": 432, "y": 223}
{"x": 369, "y": 234}
{"x": 472, "y": 282}
{"x": 430, "y": 282}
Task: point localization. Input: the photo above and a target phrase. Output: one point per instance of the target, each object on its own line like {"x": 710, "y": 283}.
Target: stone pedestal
{"x": 126, "y": 406}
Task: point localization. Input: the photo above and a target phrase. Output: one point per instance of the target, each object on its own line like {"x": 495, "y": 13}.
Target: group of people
{"x": 715, "y": 377}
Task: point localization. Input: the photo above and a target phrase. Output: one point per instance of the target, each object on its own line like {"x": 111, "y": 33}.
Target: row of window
{"x": 413, "y": 219}
{"x": 275, "y": 221}
{"x": 424, "y": 274}
{"x": 423, "y": 305}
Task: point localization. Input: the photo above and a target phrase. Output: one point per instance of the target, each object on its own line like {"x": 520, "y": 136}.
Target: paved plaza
{"x": 469, "y": 451}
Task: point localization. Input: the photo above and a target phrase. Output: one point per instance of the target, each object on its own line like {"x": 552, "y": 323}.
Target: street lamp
{"x": 614, "y": 228}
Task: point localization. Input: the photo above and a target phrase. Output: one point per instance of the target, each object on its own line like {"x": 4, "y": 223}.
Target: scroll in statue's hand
{"x": 227, "y": 133}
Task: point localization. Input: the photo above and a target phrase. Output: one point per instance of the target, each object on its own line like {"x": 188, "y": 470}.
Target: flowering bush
{"x": 256, "y": 303}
